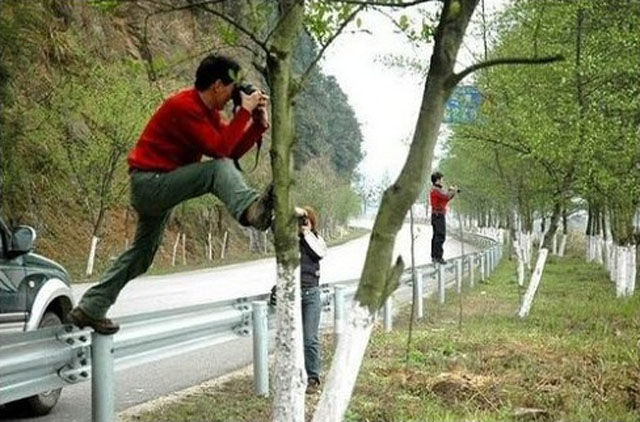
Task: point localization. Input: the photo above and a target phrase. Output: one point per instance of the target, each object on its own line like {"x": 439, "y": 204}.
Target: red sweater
{"x": 439, "y": 199}
{"x": 184, "y": 128}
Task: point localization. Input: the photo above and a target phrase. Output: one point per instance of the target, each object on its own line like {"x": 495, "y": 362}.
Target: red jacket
{"x": 184, "y": 128}
{"x": 439, "y": 199}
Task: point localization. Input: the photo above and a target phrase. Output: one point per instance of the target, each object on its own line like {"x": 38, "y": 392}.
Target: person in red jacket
{"x": 439, "y": 197}
{"x": 166, "y": 169}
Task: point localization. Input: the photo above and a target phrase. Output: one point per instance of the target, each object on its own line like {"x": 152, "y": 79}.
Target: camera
{"x": 303, "y": 220}
{"x": 237, "y": 98}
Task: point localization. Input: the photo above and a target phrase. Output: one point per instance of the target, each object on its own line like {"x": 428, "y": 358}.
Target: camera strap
{"x": 236, "y": 162}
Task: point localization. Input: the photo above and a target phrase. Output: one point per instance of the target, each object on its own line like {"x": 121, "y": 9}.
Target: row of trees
{"x": 547, "y": 144}
{"x": 271, "y": 31}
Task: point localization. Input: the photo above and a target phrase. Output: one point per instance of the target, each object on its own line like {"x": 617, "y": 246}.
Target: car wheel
{"x": 42, "y": 403}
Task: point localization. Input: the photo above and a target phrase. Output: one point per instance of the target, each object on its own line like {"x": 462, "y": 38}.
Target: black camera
{"x": 237, "y": 98}
{"x": 303, "y": 220}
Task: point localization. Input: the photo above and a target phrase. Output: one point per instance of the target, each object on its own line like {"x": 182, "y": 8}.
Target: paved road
{"x": 144, "y": 294}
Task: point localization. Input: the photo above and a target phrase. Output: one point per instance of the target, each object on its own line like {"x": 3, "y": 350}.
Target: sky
{"x": 386, "y": 100}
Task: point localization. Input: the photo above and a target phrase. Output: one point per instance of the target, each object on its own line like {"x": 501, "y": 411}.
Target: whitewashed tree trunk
{"x": 563, "y": 245}
{"x": 209, "y": 247}
{"x": 184, "y": 249}
{"x": 606, "y": 254}
{"x": 342, "y": 378}
{"x": 533, "y": 284}
{"x": 529, "y": 249}
{"x": 631, "y": 270}
{"x": 599, "y": 249}
{"x": 92, "y": 255}
{"x": 290, "y": 377}
{"x": 265, "y": 244}
{"x": 517, "y": 246}
{"x": 621, "y": 271}
{"x": 613, "y": 262}
{"x": 175, "y": 249}
{"x": 554, "y": 246}
{"x": 223, "y": 249}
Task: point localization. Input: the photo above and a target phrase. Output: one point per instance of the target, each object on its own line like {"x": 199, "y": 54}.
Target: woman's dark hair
{"x": 214, "y": 67}
{"x": 436, "y": 176}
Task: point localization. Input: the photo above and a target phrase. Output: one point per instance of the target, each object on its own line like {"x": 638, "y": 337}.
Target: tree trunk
{"x": 290, "y": 379}
{"x": 223, "y": 248}
{"x": 379, "y": 278}
{"x": 184, "y": 249}
{"x": 174, "y": 252}
{"x": 527, "y": 301}
{"x": 92, "y": 255}
{"x": 547, "y": 243}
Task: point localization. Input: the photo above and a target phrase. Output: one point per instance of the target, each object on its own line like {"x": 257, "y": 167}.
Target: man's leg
{"x": 154, "y": 193}
{"x": 433, "y": 240}
{"x": 311, "y": 310}
{"x": 133, "y": 262}
{"x": 439, "y": 236}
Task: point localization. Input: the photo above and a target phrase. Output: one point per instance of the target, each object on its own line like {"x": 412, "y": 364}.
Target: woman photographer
{"x": 312, "y": 250}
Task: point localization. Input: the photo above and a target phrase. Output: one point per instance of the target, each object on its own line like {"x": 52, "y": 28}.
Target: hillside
{"x": 78, "y": 82}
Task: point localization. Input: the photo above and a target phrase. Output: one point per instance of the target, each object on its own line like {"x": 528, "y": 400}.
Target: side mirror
{"x": 22, "y": 239}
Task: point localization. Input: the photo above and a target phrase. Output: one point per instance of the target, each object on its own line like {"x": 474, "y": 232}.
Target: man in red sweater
{"x": 439, "y": 197}
{"x": 166, "y": 170}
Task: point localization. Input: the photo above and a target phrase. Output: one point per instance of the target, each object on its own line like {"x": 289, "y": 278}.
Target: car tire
{"x": 41, "y": 404}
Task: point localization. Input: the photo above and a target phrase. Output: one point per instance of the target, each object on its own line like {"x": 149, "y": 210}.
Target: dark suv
{"x": 34, "y": 292}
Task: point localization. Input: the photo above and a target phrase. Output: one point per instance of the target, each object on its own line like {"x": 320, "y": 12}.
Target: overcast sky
{"x": 386, "y": 100}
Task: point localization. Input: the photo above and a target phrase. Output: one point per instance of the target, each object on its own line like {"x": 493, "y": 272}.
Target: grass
{"x": 576, "y": 358}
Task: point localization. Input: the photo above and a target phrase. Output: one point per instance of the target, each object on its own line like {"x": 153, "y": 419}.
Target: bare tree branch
{"x": 262, "y": 44}
{"x": 457, "y": 77}
{"x": 324, "y": 47}
{"x": 395, "y": 4}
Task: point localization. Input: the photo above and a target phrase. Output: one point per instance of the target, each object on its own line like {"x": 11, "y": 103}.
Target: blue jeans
{"x": 311, "y": 309}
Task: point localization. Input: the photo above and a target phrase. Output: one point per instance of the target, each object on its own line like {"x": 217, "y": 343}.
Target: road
{"x": 144, "y": 294}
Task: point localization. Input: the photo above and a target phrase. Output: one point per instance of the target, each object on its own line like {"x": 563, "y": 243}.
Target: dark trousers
{"x": 311, "y": 309}
{"x": 439, "y": 234}
{"x": 153, "y": 195}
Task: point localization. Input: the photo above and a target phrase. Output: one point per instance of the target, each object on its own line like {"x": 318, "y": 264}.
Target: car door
{"x": 13, "y": 290}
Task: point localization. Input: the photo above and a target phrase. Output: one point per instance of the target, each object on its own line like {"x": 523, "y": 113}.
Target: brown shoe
{"x": 313, "y": 386}
{"x": 80, "y": 319}
{"x": 260, "y": 213}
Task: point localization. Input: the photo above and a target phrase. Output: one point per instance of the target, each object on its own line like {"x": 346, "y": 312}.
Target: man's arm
{"x": 258, "y": 126}
{"x": 445, "y": 194}
{"x": 197, "y": 128}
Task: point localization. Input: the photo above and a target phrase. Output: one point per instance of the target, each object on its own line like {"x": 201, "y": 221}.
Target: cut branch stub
{"x": 392, "y": 281}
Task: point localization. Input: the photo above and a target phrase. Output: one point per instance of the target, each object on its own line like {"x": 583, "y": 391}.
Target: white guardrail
{"x": 52, "y": 358}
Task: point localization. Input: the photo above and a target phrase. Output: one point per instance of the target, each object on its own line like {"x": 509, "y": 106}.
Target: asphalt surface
{"x": 146, "y": 382}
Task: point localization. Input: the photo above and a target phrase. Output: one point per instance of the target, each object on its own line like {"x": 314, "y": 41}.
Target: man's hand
{"x": 261, "y": 116}
{"x": 251, "y": 102}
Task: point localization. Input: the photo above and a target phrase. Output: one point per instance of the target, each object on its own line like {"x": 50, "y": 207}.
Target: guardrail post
{"x": 483, "y": 272}
{"x": 472, "y": 264}
{"x": 102, "y": 378}
{"x": 260, "y": 347}
{"x": 388, "y": 314}
{"x": 418, "y": 292}
{"x": 339, "y": 311}
{"x": 441, "y": 284}
{"x": 459, "y": 274}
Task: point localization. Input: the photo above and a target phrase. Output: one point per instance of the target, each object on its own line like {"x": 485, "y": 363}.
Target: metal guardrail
{"x": 52, "y": 358}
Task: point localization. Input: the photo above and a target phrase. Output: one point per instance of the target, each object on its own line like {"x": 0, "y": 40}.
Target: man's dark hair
{"x": 214, "y": 67}
{"x": 436, "y": 176}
